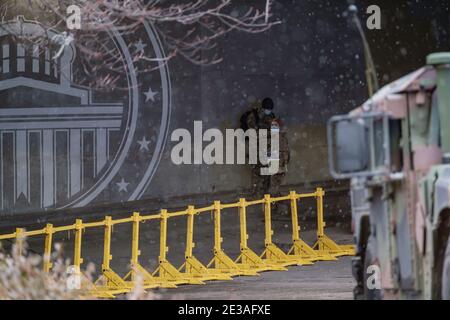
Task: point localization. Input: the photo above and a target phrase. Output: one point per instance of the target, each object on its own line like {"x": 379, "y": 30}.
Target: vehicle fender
{"x": 441, "y": 195}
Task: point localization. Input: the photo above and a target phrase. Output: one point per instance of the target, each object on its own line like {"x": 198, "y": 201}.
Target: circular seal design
{"x": 71, "y": 144}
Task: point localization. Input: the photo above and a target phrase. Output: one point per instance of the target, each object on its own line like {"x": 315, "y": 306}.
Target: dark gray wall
{"x": 311, "y": 64}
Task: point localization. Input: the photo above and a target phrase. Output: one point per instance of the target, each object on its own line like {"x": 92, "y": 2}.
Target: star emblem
{"x": 150, "y": 95}
{"x": 123, "y": 185}
{"x": 144, "y": 144}
{"x": 140, "y": 46}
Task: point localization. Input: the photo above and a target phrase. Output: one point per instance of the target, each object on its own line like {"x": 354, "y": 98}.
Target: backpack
{"x": 244, "y": 119}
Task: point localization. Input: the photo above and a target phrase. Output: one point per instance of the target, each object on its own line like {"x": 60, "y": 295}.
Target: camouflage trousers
{"x": 262, "y": 185}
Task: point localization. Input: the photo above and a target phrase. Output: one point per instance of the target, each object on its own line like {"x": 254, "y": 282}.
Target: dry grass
{"x": 22, "y": 278}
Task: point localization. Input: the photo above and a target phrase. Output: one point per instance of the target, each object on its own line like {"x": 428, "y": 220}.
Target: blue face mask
{"x": 267, "y": 112}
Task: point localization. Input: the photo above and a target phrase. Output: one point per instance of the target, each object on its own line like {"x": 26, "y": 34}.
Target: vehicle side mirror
{"x": 358, "y": 145}
{"x": 352, "y": 154}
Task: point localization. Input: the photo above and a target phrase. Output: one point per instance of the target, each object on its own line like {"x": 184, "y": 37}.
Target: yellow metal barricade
{"x": 138, "y": 272}
{"x": 166, "y": 271}
{"x": 248, "y": 259}
{"x": 111, "y": 280}
{"x": 272, "y": 253}
{"x": 192, "y": 271}
{"x": 192, "y": 266}
{"x": 299, "y": 247}
{"x": 324, "y": 244}
{"x": 221, "y": 261}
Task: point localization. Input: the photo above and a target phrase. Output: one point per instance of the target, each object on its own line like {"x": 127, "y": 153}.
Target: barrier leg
{"x": 19, "y": 240}
{"x": 48, "y": 248}
{"x": 137, "y": 270}
{"x": 166, "y": 272}
{"x": 113, "y": 282}
{"x": 77, "y": 261}
{"x": 272, "y": 253}
{"x": 221, "y": 261}
{"x": 192, "y": 266}
{"x": 324, "y": 244}
{"x": 300, "y": 248}
{"x": 248, "y": 259}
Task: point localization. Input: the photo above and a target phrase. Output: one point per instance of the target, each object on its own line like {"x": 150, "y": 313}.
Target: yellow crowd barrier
{"x": 192, "y": 271}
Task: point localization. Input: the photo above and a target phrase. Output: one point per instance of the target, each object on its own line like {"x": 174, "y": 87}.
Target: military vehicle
{"x": 395, "y": 149}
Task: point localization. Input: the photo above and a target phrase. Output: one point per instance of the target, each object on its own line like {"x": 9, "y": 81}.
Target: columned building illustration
{"x": 54, "y": 141}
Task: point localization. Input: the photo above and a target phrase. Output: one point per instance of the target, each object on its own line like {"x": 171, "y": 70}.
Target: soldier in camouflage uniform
{"x": 262, "y": 117}
{"x": 250, "y": 119}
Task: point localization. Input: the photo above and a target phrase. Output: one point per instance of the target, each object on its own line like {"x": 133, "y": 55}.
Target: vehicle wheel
{"x": 446, "y": 274}
{"x": 369, "y": 294}
{"x": 358, "y": 293}
{"x": 358, "y": 275}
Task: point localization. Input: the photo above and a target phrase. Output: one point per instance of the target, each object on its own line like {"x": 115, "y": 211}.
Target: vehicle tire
{"x": 446, "y": 273}
{"x": 357, "y": 268}
{"x": 369, "y": 294}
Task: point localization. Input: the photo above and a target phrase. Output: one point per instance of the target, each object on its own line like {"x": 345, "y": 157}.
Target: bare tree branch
{"x": 188, "y": 29}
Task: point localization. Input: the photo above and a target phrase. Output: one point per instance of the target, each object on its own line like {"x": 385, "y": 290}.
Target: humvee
{"x": 395, "y": 149}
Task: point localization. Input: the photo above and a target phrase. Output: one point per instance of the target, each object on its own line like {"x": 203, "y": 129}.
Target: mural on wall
{"x": 312, "y": 65}
{"x": 63, "y": 144}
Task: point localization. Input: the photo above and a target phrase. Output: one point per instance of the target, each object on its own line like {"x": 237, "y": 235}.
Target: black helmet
{"x": 267, "y": 104}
